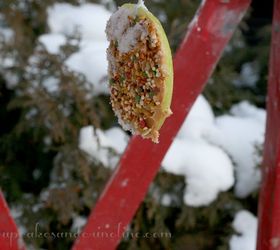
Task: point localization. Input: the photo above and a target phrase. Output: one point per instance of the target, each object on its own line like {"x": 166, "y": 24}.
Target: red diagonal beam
{"x": 269, "y": 202}
{"x": 194, "y": 62}
{"x": 9, "y": 235}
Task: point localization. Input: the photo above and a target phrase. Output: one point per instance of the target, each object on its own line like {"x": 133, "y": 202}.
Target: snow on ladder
{"x": 194, "y": 62}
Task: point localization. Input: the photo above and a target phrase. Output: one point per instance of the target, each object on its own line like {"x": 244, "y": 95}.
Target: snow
{"x": 51, "y": 84}
{"x": 119, "y": 29}
{"x": 89, "y": 22}
{"x": 52, "y": 42}
{"x": 7, "y": 61}
{"x": 239, "y": 134}
{"x": 245, "y": 225}
{"x": 78, "y": 223}
{"x": 98, "y": 143}
{"x": 166, "y": 200}
{"x": 209, "y": 148}
{"x": 125, "y": 126}
{"x": 6, "y": 34}
{"x": 249, "y": 75}
{"x": 17, "y": 212}
{"x": 200, "y": 120}
{"x": 245, "y": 109}
{"x": 201, "y": 163}
{"x": 119, "y": 139}
{"x": 89, "y": 19}
{"x": 91, "y": 61}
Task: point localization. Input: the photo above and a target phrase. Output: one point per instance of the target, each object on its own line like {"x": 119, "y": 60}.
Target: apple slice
{"x": 140, "y": 70}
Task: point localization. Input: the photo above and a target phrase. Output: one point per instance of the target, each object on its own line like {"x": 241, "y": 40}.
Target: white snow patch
{"x": 246, "y": 110}
{"x": 249, "y": 75}
{"x": 89, "y": 19}
{"x": 239, "y": 135}
{"x": 200, "y": 120}
{"x": 202, "y": 165}
{"x": 166, "y": 200}
{"x": 17, "y": 212}
{"x": 6, "y": 33}
{"x": 118, "y": 137}
{"x": 78, "y": 223}
{"x": 10, "y": 78}
{"x": 119, "y": 29}
{"x": 245, "y": 225}
{"x": 91, "y": 61}
{"x": 98, "y": 144}
{"x": 52, "y": 42}
{"x": 51, "y": 84}
{"x": 89, "y": 22}
{"x": 207, "y": 150}
{"x": 125, "y": 126}
{"x": 7, "y": 61}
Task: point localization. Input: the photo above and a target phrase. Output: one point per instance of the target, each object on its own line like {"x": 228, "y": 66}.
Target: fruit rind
{"x": 167, "y": 60}
{"x": 141, "y": 88}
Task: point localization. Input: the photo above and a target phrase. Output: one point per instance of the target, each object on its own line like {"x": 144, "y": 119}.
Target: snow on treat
{"x": 140, "y": 70}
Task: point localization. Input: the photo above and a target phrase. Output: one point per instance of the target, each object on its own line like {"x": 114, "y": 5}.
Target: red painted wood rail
{"x": 194, "y": 62}
{"x": 269, "y": 201}
{"x": 9, "y": 235}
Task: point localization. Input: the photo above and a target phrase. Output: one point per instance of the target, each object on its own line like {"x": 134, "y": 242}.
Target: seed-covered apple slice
{"x": 140, "y": 70}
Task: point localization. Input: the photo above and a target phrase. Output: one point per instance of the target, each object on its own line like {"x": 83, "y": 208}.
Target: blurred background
{"x": 60, "y": 142}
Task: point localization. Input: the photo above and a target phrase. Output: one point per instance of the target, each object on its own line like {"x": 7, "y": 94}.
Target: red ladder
{"x": 208, "y": 34}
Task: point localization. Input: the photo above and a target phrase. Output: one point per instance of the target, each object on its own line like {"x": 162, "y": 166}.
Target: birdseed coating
{"x": 137, "y": 80}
